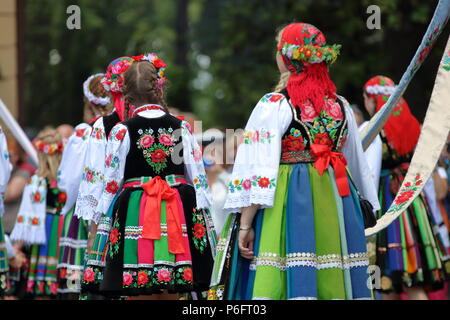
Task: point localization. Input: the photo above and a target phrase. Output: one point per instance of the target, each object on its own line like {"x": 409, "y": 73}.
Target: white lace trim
{"x": 307, "y": 259}
{"x": 73, "y": 243}
{"x": 85, "y": 207}
{"x": 235, "y": 202}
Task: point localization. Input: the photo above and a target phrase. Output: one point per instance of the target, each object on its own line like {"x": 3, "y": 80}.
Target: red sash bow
{"x": 324, "y": 157}
{"x": 158, "y": 190}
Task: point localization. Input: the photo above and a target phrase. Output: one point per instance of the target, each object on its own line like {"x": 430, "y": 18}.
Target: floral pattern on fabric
{"x": 92, "y": 176}
{"x": 157, "y": 147}
{"x": 199, "y": 235}
{"x": 272, "y": 97}
{"x": 83, "y": 134}
{"x": 114, "y": 239}
{"x": 406, "y": 193}
{"x": 446, "y": 61}
{"x": 159, "y": 276}
{"x": 200, "y": 182}
{"x": 98, "y": 133}
{"x": 258, "y": 136}
{"x": 253, "y": 182}
{"x": 92, "y": 275}
{"x": 111, "y": 161}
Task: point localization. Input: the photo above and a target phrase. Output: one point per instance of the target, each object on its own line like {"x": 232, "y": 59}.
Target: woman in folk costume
{"x": 73, "y": 241}
{"x": 37, "y": 223}
{"x": 154, "y": 192}
{"x": 93, "y": 168}
{"x": 408, "y": 252}
{"x": 300, "y": 234}
{"x": 5, "y": 173}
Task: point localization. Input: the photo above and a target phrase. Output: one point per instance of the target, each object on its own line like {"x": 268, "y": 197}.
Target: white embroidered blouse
{"x": 117, "y": 151}
{"x": 91, "y": 186}
{"x": 70, "y": 170}
{"x": 271, "y": 118}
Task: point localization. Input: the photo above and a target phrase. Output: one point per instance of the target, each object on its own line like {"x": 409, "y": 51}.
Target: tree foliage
{"x": 222, "y": 58}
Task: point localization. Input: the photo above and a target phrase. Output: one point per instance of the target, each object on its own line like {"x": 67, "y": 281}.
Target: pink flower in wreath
{"x": 88, "y": 275}
{"x": 147, "y": 141}
{"x": 163, "y": 275}
{"x": 247, "y": 184}
{"x": 308, "y": 112}
{"x": 165, "y": 139}
{"x": 127, "y": 279}
{"x": 333, "y": 109}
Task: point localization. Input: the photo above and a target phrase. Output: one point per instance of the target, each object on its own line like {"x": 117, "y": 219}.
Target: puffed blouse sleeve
{"x": 117, "y": 150}
{"x": 194, "y": 169}
{"x": 5, "y": 168}
{"x": 356, "y": 160}
{"x": 92, "y": 173}
{"x": 255, "y": 172}
{"x": 70, "y": 170}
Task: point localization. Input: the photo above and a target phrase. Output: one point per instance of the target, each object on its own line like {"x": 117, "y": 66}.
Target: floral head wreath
{"x": 380, "y": 85}
{"x": 103, "y": 101}
{"x": 114, "y": 76}
{"x": 159, "y": 65}
{"x": 302, "y": 43}
{"x": 48, "y": 148}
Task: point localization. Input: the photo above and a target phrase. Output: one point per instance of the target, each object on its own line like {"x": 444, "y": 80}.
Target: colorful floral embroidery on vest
{"x": 255, "y": 181}
{"x": 157, "y": 147}
{"x": 98, "y": 133}
{"x": 92, "y": 275}
{"x": 199, "y": 231}
{"x": 257, "y": 136}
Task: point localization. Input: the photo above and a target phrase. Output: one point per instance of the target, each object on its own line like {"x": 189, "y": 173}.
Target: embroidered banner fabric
{"x": 437, "y": 24}
{"x": 432, "y": 139}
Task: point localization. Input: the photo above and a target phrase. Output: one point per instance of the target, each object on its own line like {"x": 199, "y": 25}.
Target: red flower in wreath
{"x": 62, "y": 197}
{"x": 404, "y": 197}
{"x": 137, "y": 58}
{"x": 142, "y": 278}
{"x": 112, "y": 187}
{"x": 88, "y": 275}
{"x": 292, "y": 143}
{"x": 323, "y": 139}
{"x": 264, "y": 183}
{"x": 275, "y": 97}
{"x": 37, "y": 197}
{"x": 159, "y": 155}
{"x": 199, "y": 230}
{"x": 158, "y": 63}
{"x": 308, "y": 53}
{"x": 120, "y": 134}
{"x": 187, "y": 274}
{"x": 35, "y": 221}
{"x": 114, "y": 236}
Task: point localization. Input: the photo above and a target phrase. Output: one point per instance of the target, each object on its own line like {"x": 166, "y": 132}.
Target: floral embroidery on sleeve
{"x": 272, "y": 97}
{"x": 112, "y": 161}
{"x": 258, "y": 136}
{"x": 406, "y": 193}
{"x": 112, "y": 187}
{"x": 200, "y": 182}
{"x": 253, "y": 182}
{"x": 98, "y": 133}
{"x": 92, "y": 176}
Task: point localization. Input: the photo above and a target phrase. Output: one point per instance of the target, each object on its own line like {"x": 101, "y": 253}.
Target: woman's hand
{"x": 246, "y": 239}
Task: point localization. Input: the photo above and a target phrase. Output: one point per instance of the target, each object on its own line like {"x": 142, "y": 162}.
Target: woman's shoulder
{"x": 273, "y": 98}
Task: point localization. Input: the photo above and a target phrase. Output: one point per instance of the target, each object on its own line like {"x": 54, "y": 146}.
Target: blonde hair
{"x": 48, "y": 164}
{"x": 284, "y": 77}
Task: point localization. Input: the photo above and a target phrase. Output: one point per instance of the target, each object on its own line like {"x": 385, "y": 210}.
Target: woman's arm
{"x": 246, "y": 232}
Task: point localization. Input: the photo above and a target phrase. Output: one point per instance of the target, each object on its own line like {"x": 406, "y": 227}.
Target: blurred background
{"x": 220, "y": 53}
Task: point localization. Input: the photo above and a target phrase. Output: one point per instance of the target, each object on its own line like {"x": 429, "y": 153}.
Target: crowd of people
{"x": 134, "y": 203}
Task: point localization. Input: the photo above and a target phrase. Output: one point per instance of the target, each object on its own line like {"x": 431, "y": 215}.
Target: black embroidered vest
{"x": 328, "y": 128}
{"x": 155, "y": 147}
{"x": 109, "y": 122}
